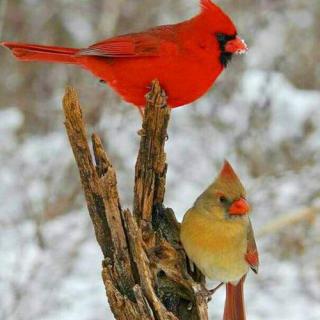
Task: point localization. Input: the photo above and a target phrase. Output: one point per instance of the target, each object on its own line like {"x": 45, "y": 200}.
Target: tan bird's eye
{"x": 223, "y": 199}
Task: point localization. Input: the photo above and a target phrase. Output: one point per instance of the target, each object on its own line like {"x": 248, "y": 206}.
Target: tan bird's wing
{"x": 252, "y": 256}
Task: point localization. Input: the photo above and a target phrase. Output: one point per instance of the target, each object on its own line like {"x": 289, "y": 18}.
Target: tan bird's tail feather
{"x": 234, "y": 308}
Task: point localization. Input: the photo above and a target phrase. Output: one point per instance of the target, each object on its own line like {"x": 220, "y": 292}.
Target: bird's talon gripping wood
{"x": 213, "y": 291}
{"x": 207, "y": 294}
{"x": 149, "y": 98}
{"x": 163, "y": 105}
{"x": 163, "y": 99}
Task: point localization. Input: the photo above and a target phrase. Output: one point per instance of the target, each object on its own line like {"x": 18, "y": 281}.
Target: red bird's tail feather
{"x": 234, "y": 306}
{"x": 35, "y": 52}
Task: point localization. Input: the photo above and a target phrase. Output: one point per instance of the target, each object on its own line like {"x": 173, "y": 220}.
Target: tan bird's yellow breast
{"x": 217, "y": 247}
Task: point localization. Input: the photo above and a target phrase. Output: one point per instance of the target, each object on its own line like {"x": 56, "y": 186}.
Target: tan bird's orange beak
{"x": 239, "y": 207}
{"x": 236, "y": 46}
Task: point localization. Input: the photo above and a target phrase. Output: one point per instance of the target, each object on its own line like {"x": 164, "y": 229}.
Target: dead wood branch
{"x": 145, "y": 271}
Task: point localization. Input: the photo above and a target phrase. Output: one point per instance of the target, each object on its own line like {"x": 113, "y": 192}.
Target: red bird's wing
{"x": 152, "y": 43}
{"x": 252, "y": 256}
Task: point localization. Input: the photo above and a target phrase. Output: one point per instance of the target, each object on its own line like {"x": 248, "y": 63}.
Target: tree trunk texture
{"x": 145, "y": 270}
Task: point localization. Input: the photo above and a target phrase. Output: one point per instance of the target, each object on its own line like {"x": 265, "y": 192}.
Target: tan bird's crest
{"x": 227, "y": 171}
{"x": 228, "y": 182}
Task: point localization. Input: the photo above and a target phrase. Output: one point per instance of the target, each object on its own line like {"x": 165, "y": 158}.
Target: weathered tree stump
{"x": 145, "y": 270}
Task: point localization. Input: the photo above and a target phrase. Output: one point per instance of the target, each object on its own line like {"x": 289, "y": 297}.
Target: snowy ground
{"x": 260, "y": 116}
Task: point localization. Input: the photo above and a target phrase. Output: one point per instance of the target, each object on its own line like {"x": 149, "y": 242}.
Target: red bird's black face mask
{"x": 229, "y": 45}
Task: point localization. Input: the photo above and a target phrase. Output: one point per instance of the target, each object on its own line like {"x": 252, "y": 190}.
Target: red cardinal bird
{"x": 218, "y": 237}
{"x": 186, "y": 57}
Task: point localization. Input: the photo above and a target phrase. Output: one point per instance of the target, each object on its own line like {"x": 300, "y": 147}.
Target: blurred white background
{"x": 263, "y": 115}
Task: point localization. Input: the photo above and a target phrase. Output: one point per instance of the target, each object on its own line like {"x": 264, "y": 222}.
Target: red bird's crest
{"x": 208, "y": 4}
{"x": 216, "y": 19}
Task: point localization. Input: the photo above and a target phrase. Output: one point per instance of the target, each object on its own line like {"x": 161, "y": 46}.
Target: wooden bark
{"x": 145, "y": 271}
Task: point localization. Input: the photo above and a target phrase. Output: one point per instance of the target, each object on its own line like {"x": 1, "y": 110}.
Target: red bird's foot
{"x": 162, "y": 101}
{"x": 149, "y": 97}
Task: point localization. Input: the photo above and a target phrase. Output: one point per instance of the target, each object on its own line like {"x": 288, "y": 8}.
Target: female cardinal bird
{"x": 217, "y": 236}
{"x": 186, "y": 57}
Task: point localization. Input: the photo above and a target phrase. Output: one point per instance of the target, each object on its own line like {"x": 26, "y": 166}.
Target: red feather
{"x": 142, "y": 45}
{"x": 234, "y": 308}
{"x": 227, "y": 171}
{"x": 252, "y": 256}
{"x": 185, "y": 57}
{"x": 35, "y": 52}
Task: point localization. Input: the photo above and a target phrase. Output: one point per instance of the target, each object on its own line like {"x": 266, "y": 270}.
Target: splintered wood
{"x": 145, "y": 270}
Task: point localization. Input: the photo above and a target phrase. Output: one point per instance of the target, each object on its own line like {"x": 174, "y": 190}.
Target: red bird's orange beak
{"x": 236, "y": 46}
{"x": 239, "y": 207}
